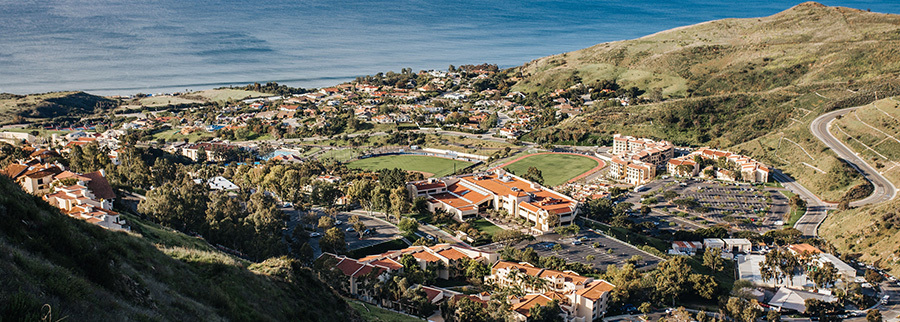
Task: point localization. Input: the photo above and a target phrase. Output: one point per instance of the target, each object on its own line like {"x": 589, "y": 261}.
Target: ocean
{"x": 125, "y": 47}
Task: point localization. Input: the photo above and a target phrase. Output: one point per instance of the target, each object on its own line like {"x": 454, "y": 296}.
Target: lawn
{"x": 373, "y": 313}
{"x": 556, "y": 168}
{"x": 430, "y": 166}
{"x": 795, "y": 214}
{"x": 486, "y": 226}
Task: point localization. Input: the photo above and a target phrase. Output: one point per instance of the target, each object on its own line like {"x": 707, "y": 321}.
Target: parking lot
{"x": 752, "y": 207}
{"x": 382, "y": 231}
{"x": 609, "y": 251}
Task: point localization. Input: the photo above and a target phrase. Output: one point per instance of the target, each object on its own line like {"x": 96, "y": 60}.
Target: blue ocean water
{"x": 127, "y": 46}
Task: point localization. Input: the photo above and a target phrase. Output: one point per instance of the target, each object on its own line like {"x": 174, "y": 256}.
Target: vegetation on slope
{"x": 83, "y": 272}
{"x": 19, "y": 108}
{"x": 872, "y": 233}
{"x": 749, "y": 85}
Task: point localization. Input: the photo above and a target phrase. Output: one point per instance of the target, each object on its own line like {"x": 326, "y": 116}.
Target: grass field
{"x": 430, "y": 166}
{"x": 486, "y": 226}
{"x": 376, "y": 314}
{"x": 556, "y": 168}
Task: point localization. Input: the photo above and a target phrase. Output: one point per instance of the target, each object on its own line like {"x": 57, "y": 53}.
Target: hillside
{"x": 86, "y": 273}
{"x": 872, "y": 232}
{"x": 18, "y": 108}
{"x": 742, "y": 84}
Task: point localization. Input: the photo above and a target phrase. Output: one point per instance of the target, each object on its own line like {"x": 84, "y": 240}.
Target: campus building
{"x": 750, "y": 170}
{"x": 635, "y": 159}
{"x": 445, "y": 258}
{"x": 580, "y": 298}
{"x": 464, "y": 196}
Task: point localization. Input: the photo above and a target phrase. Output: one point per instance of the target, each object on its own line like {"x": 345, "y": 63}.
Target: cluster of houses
{"x": 635, "y": 160}
{"x": 580, "y": 298}
{"x": 84, "y": 196}
{"x": 465, "y": 196}
{"x": 750, "y": 170}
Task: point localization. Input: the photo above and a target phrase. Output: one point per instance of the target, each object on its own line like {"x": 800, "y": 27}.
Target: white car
{"x": 315, "y": 234}
{"x": 349, "y": 229}
{"x": 338, "y": 223}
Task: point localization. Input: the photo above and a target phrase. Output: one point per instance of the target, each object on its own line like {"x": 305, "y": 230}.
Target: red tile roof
{"x": 100, "y": 186}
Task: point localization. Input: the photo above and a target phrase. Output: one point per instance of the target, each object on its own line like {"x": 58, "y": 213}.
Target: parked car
{"x": 349, "y": 229}
{"x": 315, "y": 234}
{"x": 576, "y": 242}
{"x": 338, "y": 222}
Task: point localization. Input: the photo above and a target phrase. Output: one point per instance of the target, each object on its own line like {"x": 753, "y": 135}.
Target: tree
{"x": 645, "y": 210}
{"x": 672, "y": 277}
{"x": 400, "y": 203}
{"x": 534, "y": 175}
{"x": 201, "y": 155}
{"x": 333, "y": 241}
{"x": 476, "y": 271}
{"x": 326, "y": 222}
{"x": 778, "y": 265}
{"x": 873, "y": 277}
{"x": 408, "y": 225}
{"x": 545, "y": 313}
{"x": 509, "y": 236}
{"x": 773, "y": 316}
{"x": 704, "y": 285}
{"x": 360, "y": 228}
{"x": 360, "y": 191}
{"x": 873, "y": 315}
{"x": 823, "y": 275}
{"x": 712, "y": 258}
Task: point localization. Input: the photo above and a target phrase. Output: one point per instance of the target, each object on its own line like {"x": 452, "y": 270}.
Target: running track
{"x": 600, "y": 163}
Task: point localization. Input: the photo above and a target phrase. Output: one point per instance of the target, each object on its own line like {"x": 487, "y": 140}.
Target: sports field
{"x": 429, "y": 166}
{"x": 557, "y": 168}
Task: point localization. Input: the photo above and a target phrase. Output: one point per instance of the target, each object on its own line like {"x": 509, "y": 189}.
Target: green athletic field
{"x": 556, "y": 168}
{"x": 429, "y": 166}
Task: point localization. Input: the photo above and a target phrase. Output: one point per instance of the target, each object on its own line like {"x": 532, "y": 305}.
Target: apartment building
{"x": 464, "y": 196}
{"x": 750, "y": 170}
{"x": 636, "y": 159}
{"x": 631, "y": 171}
{"x": 442, "y": 256}
{"x": 643, "y": 150}
{"x": 683, "y": 166}
{"x": 580, "y": 298}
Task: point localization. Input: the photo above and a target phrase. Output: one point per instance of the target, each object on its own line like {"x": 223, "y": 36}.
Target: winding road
{"x": 816, "y": 208}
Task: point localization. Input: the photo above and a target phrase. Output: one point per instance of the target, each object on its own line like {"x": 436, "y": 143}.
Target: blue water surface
{"x": 127, "y": 46}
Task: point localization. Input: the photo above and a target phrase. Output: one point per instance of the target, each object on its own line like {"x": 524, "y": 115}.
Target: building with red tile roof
{"x": 581, "y": 298}
{"x": 464, "y": 196}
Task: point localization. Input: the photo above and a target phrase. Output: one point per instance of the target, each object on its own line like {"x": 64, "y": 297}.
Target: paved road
{"x": 816, "y": 208}
{"x": 884, "y": 189}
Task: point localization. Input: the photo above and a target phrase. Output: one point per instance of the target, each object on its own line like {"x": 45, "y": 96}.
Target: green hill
{"x": 17, "y": 108}
{"x": 741, "y": 84}
{"x": 871, "y": 232}
{"x": 81, "y": 272}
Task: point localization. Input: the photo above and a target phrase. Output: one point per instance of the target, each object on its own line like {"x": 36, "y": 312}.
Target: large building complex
{"x": 581, "y": 298}
{"x": 635, "y": 159}
{"x": 464, "y": 196}
{"x": 742, "y": 168}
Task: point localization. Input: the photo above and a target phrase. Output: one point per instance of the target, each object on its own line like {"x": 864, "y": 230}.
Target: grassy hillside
{"x": 750, "y": 85}
{"x": 85, "y": 273}
{"x": 873, "y": 232}
{"x": 18, "y": 108}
